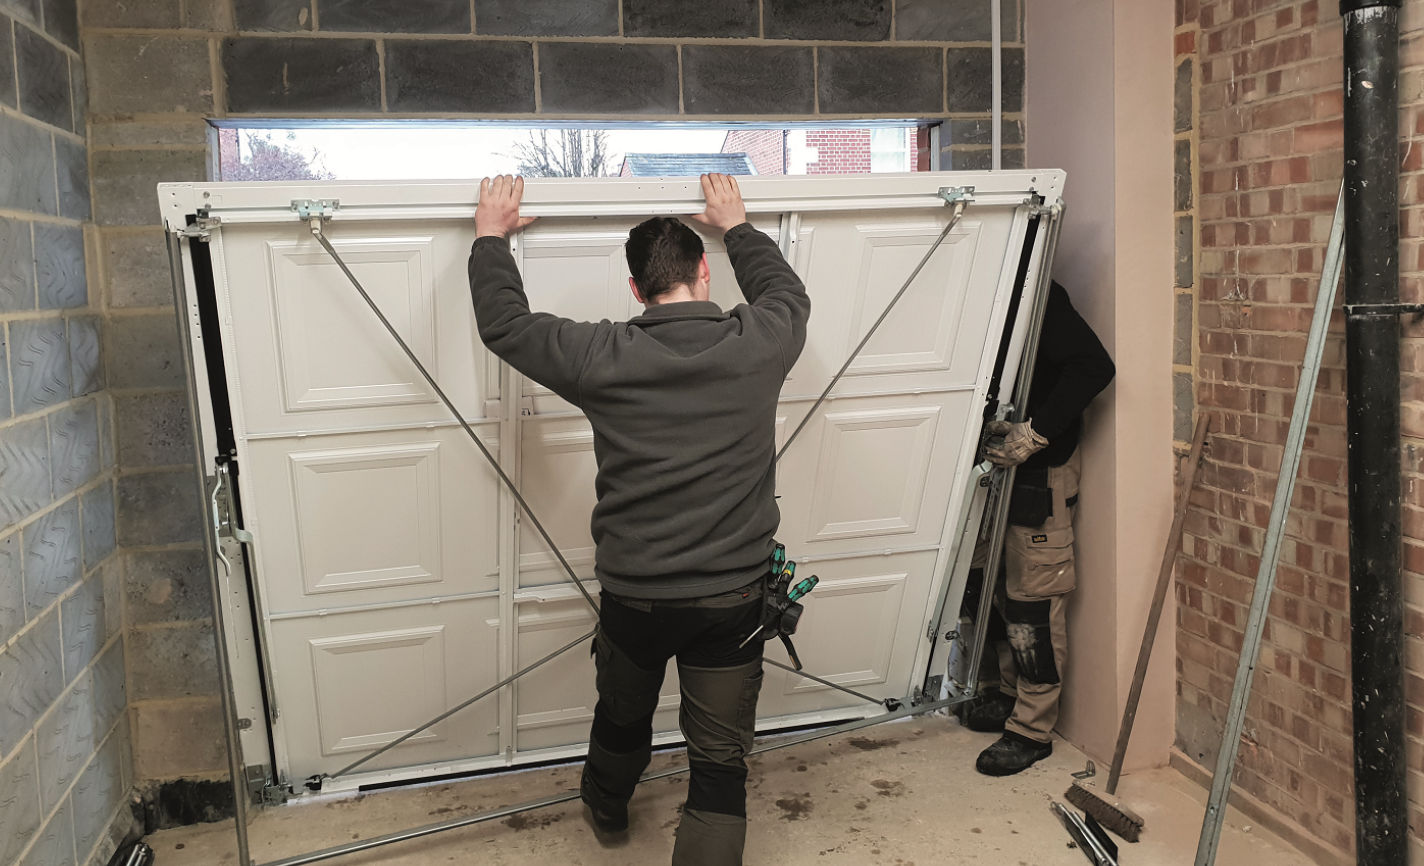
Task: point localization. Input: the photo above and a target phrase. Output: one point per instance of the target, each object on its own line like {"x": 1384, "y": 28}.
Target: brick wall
{"x": 763, "y": 146}
{"x": 159, "y": 69}
{"x": 1263, "y": 169}
{"x": 65, "y": 766}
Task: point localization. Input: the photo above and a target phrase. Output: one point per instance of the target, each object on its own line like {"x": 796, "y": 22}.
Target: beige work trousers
{"x": 1038, "y": 575}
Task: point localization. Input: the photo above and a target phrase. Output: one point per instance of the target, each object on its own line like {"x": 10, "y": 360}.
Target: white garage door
{"x": 395, "y": 576}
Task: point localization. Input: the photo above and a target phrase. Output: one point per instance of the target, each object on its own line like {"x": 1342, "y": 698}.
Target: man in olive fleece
{"x": 682, "y": 401}
{"x": 1037, "y": 570}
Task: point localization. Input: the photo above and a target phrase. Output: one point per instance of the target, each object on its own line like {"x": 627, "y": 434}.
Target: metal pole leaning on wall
{"x": 1372, "y": 386}
{"x": 1271, "y": 548}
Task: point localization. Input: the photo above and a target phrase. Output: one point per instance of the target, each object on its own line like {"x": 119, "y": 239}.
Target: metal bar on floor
{"x": 1271, "y": 549}
{"x": 569, "y": 796}
{"x": 439, "y": 392}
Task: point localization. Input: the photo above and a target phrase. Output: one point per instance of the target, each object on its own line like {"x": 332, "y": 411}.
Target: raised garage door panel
{"x": 879, "y": 600}
{"x": 354, "y": 681}
{"x": 937, "y": 330}
{"x": 368, "y": 518}
{"x": 315, "y": 356}
{"x": 398, "y": 578}
{"x": 557, "y": 470}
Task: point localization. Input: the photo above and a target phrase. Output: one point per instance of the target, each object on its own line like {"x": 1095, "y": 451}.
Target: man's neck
{"x": 678, "y": 294}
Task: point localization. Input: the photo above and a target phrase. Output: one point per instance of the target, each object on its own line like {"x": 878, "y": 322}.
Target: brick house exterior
{"x": 838, "y": 150}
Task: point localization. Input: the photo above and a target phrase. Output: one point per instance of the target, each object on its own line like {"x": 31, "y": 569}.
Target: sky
{"x": 462, "y": 152}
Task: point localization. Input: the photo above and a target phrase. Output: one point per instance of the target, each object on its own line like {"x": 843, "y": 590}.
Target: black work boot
{"x": 609, "y": 814}
{"x": 1012, "y": 753}
{"x": 988, "y": 712}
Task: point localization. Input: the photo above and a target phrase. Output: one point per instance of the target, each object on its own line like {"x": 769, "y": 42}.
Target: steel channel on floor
{"x": 569, "y": 796}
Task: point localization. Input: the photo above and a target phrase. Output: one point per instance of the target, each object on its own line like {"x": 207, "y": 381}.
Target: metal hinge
{"x": 1036, "y": 207}
{"x": 200, "y": 230}
{"x": 315, "y": 208}
{"x": 956, "y": 194}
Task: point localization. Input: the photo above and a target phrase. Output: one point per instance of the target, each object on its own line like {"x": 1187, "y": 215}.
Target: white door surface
{"x": 395, "y": 576}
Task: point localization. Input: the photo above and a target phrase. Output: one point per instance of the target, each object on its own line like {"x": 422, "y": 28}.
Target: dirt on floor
{"x": 898, "y": 795}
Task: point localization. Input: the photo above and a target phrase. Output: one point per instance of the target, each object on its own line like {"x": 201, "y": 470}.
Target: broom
{"x": 1106, "y": 809}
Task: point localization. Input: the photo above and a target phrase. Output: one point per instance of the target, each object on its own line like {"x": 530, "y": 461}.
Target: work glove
{"x": 1020, "y": 443}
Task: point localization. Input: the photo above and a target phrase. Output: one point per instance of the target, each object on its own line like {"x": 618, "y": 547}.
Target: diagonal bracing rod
{"x": 453, "y": 710}
{"x": 953, "y": 221}
{"x": 886, "y": 702}
{"x": 503, "y": 476}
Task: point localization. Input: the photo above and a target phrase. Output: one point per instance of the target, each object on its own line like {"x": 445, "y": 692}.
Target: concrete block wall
{"x": 158, "y": 70}
{"x": 65, "y": 758}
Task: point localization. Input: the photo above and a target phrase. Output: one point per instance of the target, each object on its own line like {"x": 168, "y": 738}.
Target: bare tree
{"x": 268, "y": 160}
{"x": 564, "y": 153}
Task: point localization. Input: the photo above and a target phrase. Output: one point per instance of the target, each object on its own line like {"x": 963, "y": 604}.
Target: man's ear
{"x": 637, "y": 294}
{"x": 704, "y": 270}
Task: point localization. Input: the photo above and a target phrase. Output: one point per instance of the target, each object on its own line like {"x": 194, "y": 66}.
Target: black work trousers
{"x": 720, "y": 684}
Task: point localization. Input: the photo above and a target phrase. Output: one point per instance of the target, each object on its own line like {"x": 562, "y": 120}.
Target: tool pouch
{"x": 1031, "y": 503}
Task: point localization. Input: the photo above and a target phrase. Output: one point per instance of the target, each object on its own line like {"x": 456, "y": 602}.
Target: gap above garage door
{"x": 388, "y": 576}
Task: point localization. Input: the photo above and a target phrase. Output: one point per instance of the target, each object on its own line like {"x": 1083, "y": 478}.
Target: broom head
{"x": 1108, "y": 812}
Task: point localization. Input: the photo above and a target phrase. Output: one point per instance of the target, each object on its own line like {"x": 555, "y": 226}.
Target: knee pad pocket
{"x": 1031, "y": 639}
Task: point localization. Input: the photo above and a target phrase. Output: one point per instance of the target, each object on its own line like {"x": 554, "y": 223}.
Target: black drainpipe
{"x": 1372, "y": 385}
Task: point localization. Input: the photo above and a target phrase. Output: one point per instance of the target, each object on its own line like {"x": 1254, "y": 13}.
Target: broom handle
{"x": 1159, "y": 600}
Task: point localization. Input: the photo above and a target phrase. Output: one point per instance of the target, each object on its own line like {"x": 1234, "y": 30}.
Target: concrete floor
{"x": 899, "y": 795}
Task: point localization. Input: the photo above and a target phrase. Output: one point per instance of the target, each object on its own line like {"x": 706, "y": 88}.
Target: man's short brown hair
{"x": 662, "y": 253}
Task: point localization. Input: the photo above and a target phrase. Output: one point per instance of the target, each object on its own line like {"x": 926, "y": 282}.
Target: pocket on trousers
{"x": 746, "y": 708}
{"x": 1039, "y": 564}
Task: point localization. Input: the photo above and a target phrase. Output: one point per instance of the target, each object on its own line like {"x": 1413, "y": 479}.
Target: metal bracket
{"x": 277, "y": 794}
{"x": 957, "y": 194}
{"x": 200, "y": 230}
{"x": 1382, "y": 311}
{"x": 315, "y": 208}
{"x": 1037, "y": 208}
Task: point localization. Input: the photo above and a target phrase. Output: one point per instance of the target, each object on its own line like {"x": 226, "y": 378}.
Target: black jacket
{"x": 682, "y": 400}
{"x": 1071, "y": 368}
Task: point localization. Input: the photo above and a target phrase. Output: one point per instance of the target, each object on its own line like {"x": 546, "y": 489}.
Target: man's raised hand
{"x": 497, "y": 213}
{"x": 724, "y": 203}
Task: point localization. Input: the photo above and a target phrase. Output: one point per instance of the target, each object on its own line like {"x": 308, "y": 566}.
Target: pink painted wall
{"x": 1099, "y": 105}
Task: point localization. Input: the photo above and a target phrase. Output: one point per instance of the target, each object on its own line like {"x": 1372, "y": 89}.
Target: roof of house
{"x": 686, "y": 164}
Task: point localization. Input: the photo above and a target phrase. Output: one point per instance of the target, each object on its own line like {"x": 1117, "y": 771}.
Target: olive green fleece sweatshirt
{"x": 682, "y": 400}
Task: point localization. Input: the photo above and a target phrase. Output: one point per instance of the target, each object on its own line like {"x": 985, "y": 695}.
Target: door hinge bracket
{"x": 315, "y": 208}
{"x": 201, "y": 227}
{"x": 1036, "y": 207}
{"x": 957, "y": 194}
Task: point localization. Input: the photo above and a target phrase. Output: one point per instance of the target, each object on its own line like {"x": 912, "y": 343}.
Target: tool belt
{"x": 781, "y": 610}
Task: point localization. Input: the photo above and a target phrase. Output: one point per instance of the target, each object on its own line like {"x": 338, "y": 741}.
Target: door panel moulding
{"x": 905, "y": 546}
